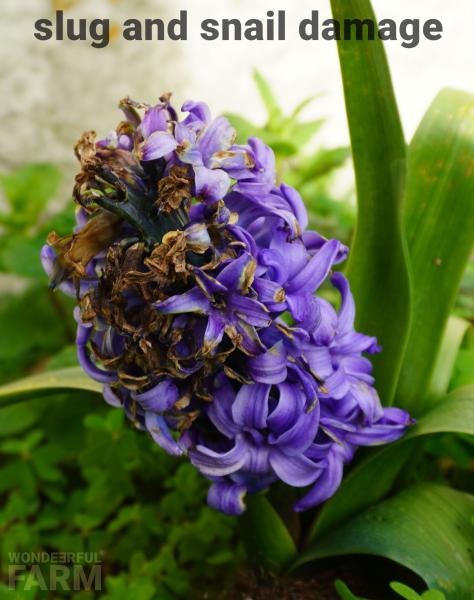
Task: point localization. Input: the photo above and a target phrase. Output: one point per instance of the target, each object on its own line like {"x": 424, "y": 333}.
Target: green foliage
{"x": 77, "y": 478}
{"x": 31, "y": 330}
{"x": 400, "y": 588}
{"x": 44, "y": 384}
{"x": 406, "y": 592}
{"x": 344, "y": 592}
{"x": 426, "y": 528}
{"x": 27, "y": 190}
{"x": 266, "y": 536}
{"x": 34, "y": 322}
{"x": 440, "y": 232}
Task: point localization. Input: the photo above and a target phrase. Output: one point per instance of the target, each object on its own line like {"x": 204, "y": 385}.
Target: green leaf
{"x": 16, "y": 419}
{"x": 463, "y": 373}
{"x": 404, "y": 591}
{"x": 27, "y": 191}
{"x": 302, "y": 133}
{"x": 243, "y": 127}
{"x": 303, "y": 104}
{"x": 268, "y": 542}
{"x": 427, "y": 528}
{"x": 46, "y": 384}
{"x": 20, "y": 255}
{"x": 268, "y": 97}
{"x": 373, "y": 478}
{"x": 448, "y": 351}
{"x": 344, "y": 592}
{"x": 439, "y": 223}
{"x": 377, "y": 267}
{"x": 409, "y": 594}
{"x": 30, "y": 329}
{"x": 321, "y": 163}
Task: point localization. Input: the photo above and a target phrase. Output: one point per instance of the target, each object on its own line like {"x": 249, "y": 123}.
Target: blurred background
{"x": 51, "y": 91}
{"x": 73, "y": 475}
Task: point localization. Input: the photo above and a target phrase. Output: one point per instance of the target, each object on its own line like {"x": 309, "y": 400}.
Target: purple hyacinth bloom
{"x": 188, "y": 261}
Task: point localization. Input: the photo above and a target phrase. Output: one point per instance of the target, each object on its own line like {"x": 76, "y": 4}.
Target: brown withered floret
{"x": 75, "y": 251}
{"x": 174, "y": 189}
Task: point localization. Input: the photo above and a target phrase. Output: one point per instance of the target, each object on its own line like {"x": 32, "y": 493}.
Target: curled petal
{"x": 288, "y": 410}
{"x": 111, "y": 397}
{"x": 297, "y": 471}
{"x": 300, "y": 436}
{"x": 193, "y": 301}
{"x": 220, "y": 411}
{"x": 155, "y": 119}
{"x": 269, "y": 367}
{"x": 347, "y": 311}
{"x": 327, "y": 483}
{"x": 337, "y": 384}
{"x": 199, "y": 114}
{"x": 159, "y": 398}
{"x": 388, "y": 429}
{"x": 160, "y": 432}
{"x": 250, "y": 408}
{"x": 315, "y": 272}
{"x": 227, "y": 497}
{"x": 296, "y": 203}
{"x": 218, "y": 464}
{"x": 83, "y": 334}
{"x": 159, "y": 144}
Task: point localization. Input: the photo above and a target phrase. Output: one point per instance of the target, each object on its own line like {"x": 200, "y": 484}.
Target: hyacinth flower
{"x": 197, "y": 282}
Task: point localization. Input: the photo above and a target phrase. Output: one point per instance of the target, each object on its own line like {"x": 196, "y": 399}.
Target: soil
{"x": 367, "y": 577}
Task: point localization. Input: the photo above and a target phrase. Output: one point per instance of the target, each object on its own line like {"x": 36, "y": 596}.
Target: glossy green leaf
{"x": 427, "y": 528}
{"x": 46, "y": 384}
{"x": 373, "y": 478}
{"x": 439, "y": 223}
{"x": 377, "y": 268}
{"x": 268, "y": 542}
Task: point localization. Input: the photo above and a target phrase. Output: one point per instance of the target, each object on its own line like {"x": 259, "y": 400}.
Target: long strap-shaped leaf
{"x": 439, "y": 224}
{"x": 427, "y": 528}
{"x": 377, "y": 268}
{"x": 46, "y": 384}
{"x": 373, "y": 478}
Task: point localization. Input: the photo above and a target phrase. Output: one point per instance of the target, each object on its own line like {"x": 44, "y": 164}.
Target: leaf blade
{"x": 72, "y": 378}
{"x": 427, "y": 528}
{"x": 266, "y": 537}
{"x": 377, "y": 268}
{"x": 440, "y": 231}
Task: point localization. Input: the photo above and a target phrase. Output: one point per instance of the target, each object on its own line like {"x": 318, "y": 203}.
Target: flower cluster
{"x": 195, "y": 277}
